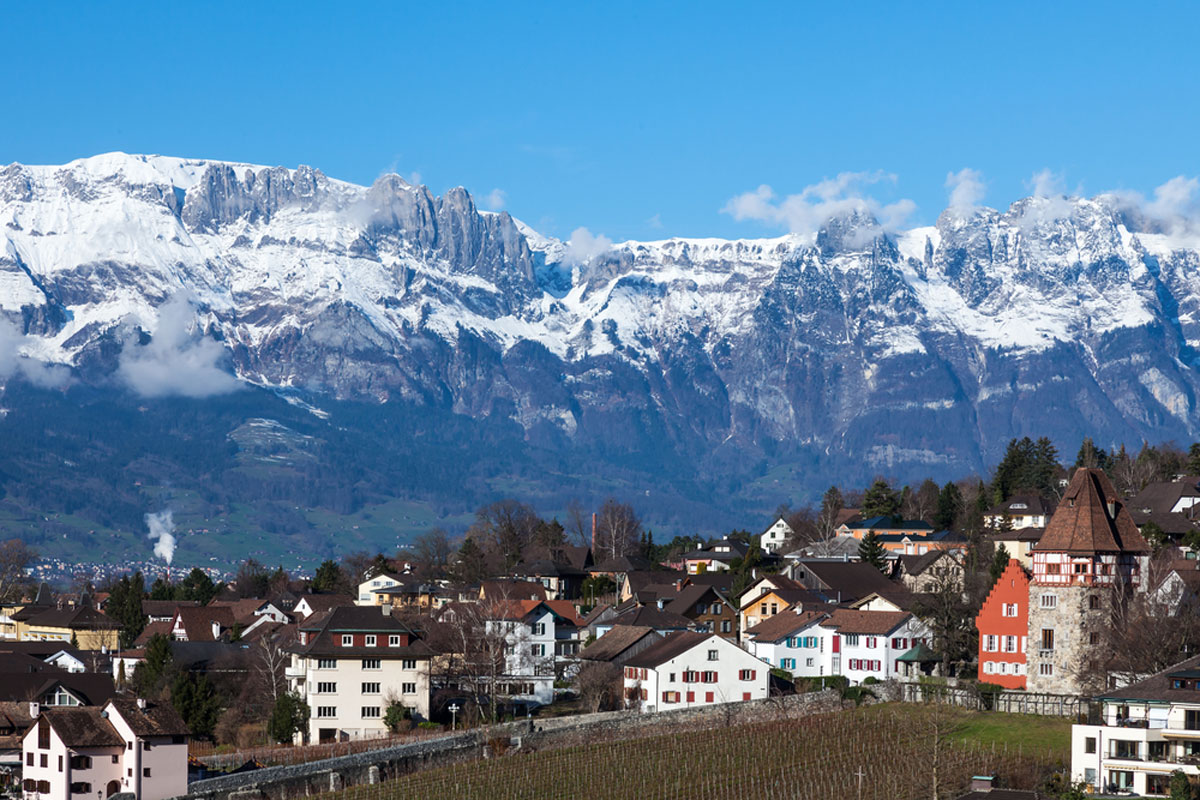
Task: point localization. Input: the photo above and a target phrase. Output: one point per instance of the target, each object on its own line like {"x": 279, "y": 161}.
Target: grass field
{"x": 897, "y": 750}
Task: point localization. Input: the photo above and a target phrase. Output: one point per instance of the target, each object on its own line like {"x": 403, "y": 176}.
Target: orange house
{"x": 1003, "y": 624}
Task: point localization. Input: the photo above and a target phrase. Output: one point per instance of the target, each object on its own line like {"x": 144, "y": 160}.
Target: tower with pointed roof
{"x": 1090, "y": 552}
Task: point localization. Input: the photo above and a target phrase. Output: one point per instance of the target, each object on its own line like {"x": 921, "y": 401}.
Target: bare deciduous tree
{"x": 598, "y": 685}
{"x": 617, "y": 530}
{"x": 14, "y": 558}
{"x": 431, "y": 553}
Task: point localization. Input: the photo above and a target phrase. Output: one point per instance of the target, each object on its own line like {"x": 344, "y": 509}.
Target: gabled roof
{"x": 197, "y": 622}
{"x": 872, "y": 623}
{"x": 81, "y": 726}
{"x": 1082, "y": 524}
{"x": 689, "y": 596}
{"x": 1020, "y": 505}
{"x": 651, "y": 617}
{"x": 915, "y": 565}
{"x": 76, "y": 619}
{"x": 156, "y": 719}
{"x": 512, "y": 590}
{"x": 1157, "y": 688}
{"x": 1163, "y": 495}
{"x": 675, "y": 644}
{"x": 617, "y": 641}
{"x": 90, "y": 687}
{"x": 623, "y": 564}
{"x": 565, "y": 610}
{"x": 845, "y": 581}
{"x": 882, "y": 523}
{"x": 783, "y": 625}
{"x": 165, "y": 608}
{"x": 325, "y": 602}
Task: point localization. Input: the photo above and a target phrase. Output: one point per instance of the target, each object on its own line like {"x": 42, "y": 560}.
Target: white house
{"x": 772, "y": 538}
{"x": 351, "y": 664}
{"x": 528, "y": 630}
{"x": 1147, "y": 730}
{"x": 130, "y": 746}
{"x": 687, "y": 670}
{"x": 366, "y": 589}
{"x": 855, "y": 644}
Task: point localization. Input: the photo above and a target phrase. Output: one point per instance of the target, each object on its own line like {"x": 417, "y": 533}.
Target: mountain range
{"x": 300, "y": 321}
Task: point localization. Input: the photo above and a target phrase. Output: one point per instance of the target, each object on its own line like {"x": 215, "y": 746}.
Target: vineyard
{"x": 883, "y": 753}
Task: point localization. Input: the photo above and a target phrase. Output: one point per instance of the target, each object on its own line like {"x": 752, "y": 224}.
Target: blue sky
{"x": 635, "y": 120}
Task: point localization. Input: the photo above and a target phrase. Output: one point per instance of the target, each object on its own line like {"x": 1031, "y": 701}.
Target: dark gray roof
{"x": 617, "y": 641}
{"x": 673, "y": 645}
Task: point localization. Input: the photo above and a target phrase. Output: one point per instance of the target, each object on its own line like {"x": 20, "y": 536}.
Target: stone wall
{"x": 334, "y": 774}
{"x": 1072, "y": 619}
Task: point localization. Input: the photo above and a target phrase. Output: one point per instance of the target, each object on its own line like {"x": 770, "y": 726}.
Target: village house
{"x": 773, "y": 538}
{"x": 1020, "y": 511}
{"x": 842, "y": 581}
{"x": 1091, "y": 549}
{"x": 202, "y": 623}
{"x": 776, "y": 601}
{"x": 527, "y": 628}
{"x": 620, "y": 644}
{"x": 1018, "y": 543}
{"x": 350, "y": 664}
{"x": 859, "y": 528}
{"x": 687, "y": 670}
{"x": 377, "y": 580}
{"x": 130, "y": 746}
{"x": 311, "y": 604}
{"x": 1003, "y": 625}
{"x": 1146, "y": 731}
{"x": 791, "y": 642}
{"x": 1171, "y": 506}
{"x": 708, "y": 609}
{"x": 924, "y": 573}
{"x": 716, "y": 556}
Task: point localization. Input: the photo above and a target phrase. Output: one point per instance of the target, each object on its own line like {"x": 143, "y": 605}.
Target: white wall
{"x": 728, "y": 688}
{"x": 348, "y": 700}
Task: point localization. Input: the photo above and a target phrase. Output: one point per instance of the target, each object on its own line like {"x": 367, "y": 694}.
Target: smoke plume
{"x": 162, "y": 525}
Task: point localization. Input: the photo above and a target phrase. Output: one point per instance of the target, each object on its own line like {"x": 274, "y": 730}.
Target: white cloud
{"x": 1050, "y": 199}
{"x": 495, "y": 199}
{"x": 15, "y": 362}
{"x": 655, "y": 222}
{"x": 1047, "y": 183}
{"x": 806, "y": 212}
{"x": 1175, "y": 202}
{"x": 966, "y": 190}
{"x": 179, "y": 360}
{"x": 584, "y": 247}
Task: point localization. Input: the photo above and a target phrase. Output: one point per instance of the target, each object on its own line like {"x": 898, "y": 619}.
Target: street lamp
{"x": 454, "y": 716}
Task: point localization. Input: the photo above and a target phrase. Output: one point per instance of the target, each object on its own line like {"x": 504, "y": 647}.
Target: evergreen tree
{"x": 949, "y": 506}
{"x": 328, "y": 578}
{"x": 471, "y": 567}
{"x": 289, "y": 717}
{"x": 197, "y": 702}
{"x": 871, "y": 551}
{"x": 1193, "y": 459}
{"x": 1090, "y": 456}
{"x": 880, "y": 501}
{"x": 161, "y": 590}
{"x": 197, "y": 586}
{"x": 125, "y": 606}
{"x": 999, "y": 562}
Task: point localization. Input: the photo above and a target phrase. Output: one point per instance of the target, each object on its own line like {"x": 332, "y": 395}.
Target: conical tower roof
{"x": 1092, "y": 519}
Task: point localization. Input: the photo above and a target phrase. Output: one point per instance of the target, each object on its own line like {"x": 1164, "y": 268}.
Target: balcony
{"x": 294, "y": 673}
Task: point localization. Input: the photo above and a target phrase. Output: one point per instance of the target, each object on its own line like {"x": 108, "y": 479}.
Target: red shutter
{"x": 745, "y": 695}
{"x": 691, "y": 697}
{"x": 708, "y": 697}
{"x": 645, "y": 694}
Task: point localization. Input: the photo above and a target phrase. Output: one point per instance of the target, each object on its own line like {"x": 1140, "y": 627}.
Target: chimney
{"x": 1112, "y": 509}
{"x": 35, "y": 709}
{"x": 387, "y": 609}
{"x": 141, "y": 703}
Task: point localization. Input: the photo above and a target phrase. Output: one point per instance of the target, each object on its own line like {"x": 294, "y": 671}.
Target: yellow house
{"x": 772, "y": 602}
{"x": 87, "y": 627}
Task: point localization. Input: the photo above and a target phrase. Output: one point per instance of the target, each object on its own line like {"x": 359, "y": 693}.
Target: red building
{"x": 1003, "y": 624}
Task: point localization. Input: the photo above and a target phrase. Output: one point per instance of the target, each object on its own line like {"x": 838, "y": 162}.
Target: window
{"x": 370, "y": 712}
{"x": 408, "y": 663}
{"x": 408, "y": 688}
{"x": 371, "y": 663}
{"x": 347, "y": 640}
{"x": 117, "y": 759}
{"x": 1047, "y": 638}
{"x": 670, "y": 677}
{"x": 690, "y": 677}
{"x": 145, "y": 772}
{"x": 774, "y": 608}
{"x": 726, "y": 626}
{"x": 370, "y": 640}
{"x": 1010, "y": 609}
{"x": 1080, "y": 569}
{"x": 326, "y": 687}
{"x": 1191, "y": 720}
{"x": 370, "y": 688}
{"x": 81, "y": 788}
{"x": 43, "y": 736}
{"x": 808, "y": 662}
{"x": 871, "y": 640}
{"x": 1048, "y": 600}
{"x": 1124, "y": 748}
{"x": 81, "y": 762}
{"x": 1158, "y": 783}
{"x": 539, "y": 629}
{"x": 899, "y": 643}
{"x": 988, "y": 667}
{"x": 326, "y": 663}
{"x": 44, "y": 763}
{"x": 1010, "y": 644}
{"x": 1045, "y": 669}
{"x": 713, "y": 655}
{"x": 851, "y": 640}
{"x": 326, "y": 712}
{"x": 29, "y": 759}
{"x": 43, "y": 787}
{"x": 1093, "y": 602}
{"x": 747, "y": 674}
{"x": 1093, "y": 638}
{"x": 708, "y": 677}
{"x": 989, "y": 644}
{"x": 393, "y": 640}
{"x": 670, "y": 697}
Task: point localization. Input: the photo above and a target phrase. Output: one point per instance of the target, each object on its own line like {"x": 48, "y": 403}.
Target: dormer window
{"x": 347, "y": 640}
{"x": 1018, "y": 507}
{"x": 370, "y": 640}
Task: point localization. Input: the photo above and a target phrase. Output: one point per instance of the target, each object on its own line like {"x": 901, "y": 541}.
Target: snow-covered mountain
{"x": 845, "y": 353}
